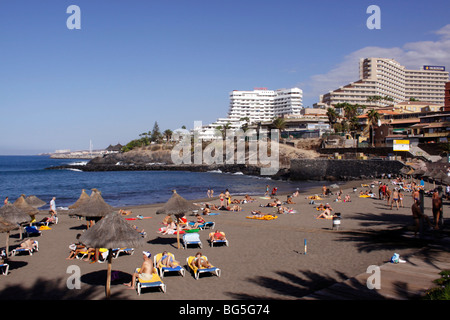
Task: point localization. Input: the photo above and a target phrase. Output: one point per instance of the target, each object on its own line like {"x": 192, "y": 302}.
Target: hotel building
{"x": 387, "y": 78}
{"x": 259, "y": 105}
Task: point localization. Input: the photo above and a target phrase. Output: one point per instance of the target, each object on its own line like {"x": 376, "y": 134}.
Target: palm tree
{"x": 279, "y": 124}
{"x": 167, "y": 134}
{"x": 332, "y": 116}
{"x": 373, "y": 116}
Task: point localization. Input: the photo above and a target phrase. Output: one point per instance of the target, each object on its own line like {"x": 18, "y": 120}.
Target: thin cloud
{"x": 412, "y": 55}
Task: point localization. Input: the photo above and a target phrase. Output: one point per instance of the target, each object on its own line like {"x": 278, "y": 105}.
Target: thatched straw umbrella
{"x": 83, "y": 197}
{"x": 177, "y": 206}
{"x": 95, "y": 206}
{"x": 14, "y": 215}
{"x": 25, "y": 207}
{"x": 34, "y": 201}
{"x": 440, "y": 176}
{"x": 6, "y": 226}
{"x": 113, "y": 231}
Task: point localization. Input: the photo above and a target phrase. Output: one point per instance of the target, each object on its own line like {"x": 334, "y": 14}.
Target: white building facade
{"x": 388, "y": 78}
{"x": 258, "y": 105}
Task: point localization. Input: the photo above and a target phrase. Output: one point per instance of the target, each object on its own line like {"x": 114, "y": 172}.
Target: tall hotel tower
{"x": 387, "y": 78}
{"x": 259, "y": 105}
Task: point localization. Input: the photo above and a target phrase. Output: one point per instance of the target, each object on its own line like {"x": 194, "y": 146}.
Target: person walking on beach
{"x": 53, "y": 207}
{"x": 267, "y": 191}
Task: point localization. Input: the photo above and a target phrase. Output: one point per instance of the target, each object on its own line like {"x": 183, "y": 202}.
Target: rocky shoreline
{"x": 231, "y": 168}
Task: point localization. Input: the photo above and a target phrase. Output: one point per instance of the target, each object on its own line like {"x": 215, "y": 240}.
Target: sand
{"x": 265, "y": 259}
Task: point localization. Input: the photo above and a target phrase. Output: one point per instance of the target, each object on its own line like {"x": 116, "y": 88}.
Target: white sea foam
{"x": 79, "y": 163}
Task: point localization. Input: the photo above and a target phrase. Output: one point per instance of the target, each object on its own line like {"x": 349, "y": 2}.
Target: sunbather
{"x": 145, "y": 273}
{"x": 199, "y": 221}
{"x": 200, "y": 262}
{"x": 167, "y": 261}
{"x": 29, "y": 244}
{"x": 217, "y": 235}
{"x": 326, "y": 214}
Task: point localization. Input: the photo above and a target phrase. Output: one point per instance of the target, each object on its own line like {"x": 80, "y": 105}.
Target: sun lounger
{"x": 155, "y": 282}
{"x": 197, "y": 271}
{"x": 103, "y": 255}
{"x": 5, "y": 268}
{"x": 25, "y": 250}
{"x": 191, "y": 238}
{"x": 32, "y": 230}
{"x": 117, "y": 251}
{"x": 206, "y": 225}
{"x": 162, "y": 268}
{"x": 212, "y": 242}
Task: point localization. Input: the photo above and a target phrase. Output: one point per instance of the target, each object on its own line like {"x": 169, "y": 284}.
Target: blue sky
{"x": 136, "y": 62}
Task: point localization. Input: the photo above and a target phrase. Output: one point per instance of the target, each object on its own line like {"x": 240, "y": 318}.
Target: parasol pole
{"x": 178, "y": 235}
{"x": 108, "y": 275}
{"x": 7, "y": 243}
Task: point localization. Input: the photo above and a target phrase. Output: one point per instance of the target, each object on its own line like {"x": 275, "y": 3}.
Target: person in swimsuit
{"x": 200, "y": 262}
{"x": 395, "y": 198}
{"x": 167, "y": 260}
{"x": 145, "y": 273}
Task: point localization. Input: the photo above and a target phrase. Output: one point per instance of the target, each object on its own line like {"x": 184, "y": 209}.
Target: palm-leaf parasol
{"x": 6, "y": 226}
{"x": 34, "y": 201}
{"x": 95, "y": 206}
{"x": 25, "y": 207}
{"x": 111, "y": 232}
{"x": 177, "y": 206}
{"x": 14, "y": 215}
{"x": 83, "y": 197}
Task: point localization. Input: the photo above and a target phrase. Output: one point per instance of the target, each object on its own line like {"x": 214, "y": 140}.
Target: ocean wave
{"x": 216, "y": 171}
{"x": 76, "y": 170}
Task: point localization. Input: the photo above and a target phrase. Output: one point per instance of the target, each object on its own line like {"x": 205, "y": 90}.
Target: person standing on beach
{"x": 227, "y": 197}
{"x": 437, "y": 209}
{"x": 53, "y": 207}
{"x": 267, "y": 191}
{"x": 395, "y": 198}
{"x": 418, "y": 216}
{"x": 221, "y": 197}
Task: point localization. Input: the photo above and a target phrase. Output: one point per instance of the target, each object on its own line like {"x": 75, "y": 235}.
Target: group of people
{"x": 79, "y": 248}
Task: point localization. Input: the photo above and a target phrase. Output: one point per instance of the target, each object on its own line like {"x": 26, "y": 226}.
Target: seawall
{"x": 326, "y": 169}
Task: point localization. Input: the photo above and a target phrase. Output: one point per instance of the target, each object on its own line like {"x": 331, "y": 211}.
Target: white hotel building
{"x": 259, "y": 105}
{"x": 386, "y": 77}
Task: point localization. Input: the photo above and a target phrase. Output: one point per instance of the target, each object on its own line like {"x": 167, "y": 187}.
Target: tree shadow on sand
{"x": 315, "y": 286}
{"x": 91, "y": 288}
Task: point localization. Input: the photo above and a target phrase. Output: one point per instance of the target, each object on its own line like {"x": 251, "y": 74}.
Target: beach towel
{"x": 265, "y": 217}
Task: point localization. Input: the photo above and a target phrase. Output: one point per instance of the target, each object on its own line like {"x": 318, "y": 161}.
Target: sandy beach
{"x": 264, "y": 259}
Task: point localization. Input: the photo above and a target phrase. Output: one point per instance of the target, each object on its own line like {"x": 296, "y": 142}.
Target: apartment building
{"x": 447, "y": 97}
{"x": 258, "y": 105}
{"x": 392, "y": 83}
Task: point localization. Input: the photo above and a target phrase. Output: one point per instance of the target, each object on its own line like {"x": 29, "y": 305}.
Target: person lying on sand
{"x": 326, "y": 214}
{"x": 125, "y": 212}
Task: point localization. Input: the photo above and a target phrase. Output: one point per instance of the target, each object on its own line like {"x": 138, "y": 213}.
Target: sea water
{"x": 28, "y": 175}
